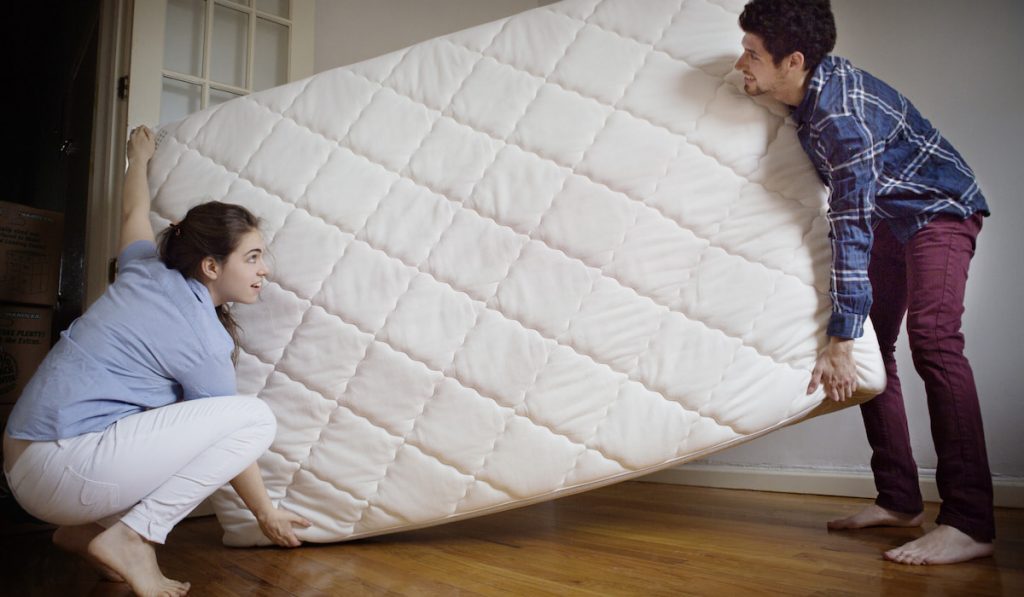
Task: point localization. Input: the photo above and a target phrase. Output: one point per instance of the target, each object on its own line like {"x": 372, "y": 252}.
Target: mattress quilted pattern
{"x": 537, "y": 256}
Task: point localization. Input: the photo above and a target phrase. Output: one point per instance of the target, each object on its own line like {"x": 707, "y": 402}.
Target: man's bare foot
{"x": 134, "y": 558}
{"x": 75, "y": 539}
{"x": 876, "y": 516}
{"x": 942, "y": 545}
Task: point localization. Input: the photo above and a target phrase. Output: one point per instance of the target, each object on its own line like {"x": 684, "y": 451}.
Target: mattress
{"x": 538, "y": 256}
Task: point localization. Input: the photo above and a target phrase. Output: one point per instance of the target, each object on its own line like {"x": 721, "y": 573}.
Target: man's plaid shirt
{"x": 881, "y": 161}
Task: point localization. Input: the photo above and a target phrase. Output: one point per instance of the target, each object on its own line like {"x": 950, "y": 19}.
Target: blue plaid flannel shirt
{"x": 881, "y": 161}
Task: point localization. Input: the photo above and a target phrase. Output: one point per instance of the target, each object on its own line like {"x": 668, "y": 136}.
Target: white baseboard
{"x": 1009, "y": 491}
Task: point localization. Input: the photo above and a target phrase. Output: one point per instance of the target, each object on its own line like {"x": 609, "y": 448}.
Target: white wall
{"x": 349, "y": 31}
{"x": 960, "y": 63}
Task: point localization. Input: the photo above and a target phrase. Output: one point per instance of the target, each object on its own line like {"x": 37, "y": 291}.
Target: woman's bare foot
{"x": 134, "y": 558}
{"x": 942, "y": 545}
{"x": 876, "y": 516}
{"x": 75, "y": 539}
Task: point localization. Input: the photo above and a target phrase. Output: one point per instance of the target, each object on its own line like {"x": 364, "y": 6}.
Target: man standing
{"x": 904, "y": 212}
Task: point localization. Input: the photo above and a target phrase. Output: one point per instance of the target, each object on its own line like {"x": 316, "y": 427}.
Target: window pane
{"x": 230, "y": 44}
{"x": 275, "y": 7}
{"x": 183, "y": 36}
{"x": 178, "y": 99}
{"x": 218, "y": 97}
{"x": 271, "y": 67}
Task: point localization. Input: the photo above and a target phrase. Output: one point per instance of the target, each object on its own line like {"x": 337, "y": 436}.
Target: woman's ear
{"x": 210, "y": 268}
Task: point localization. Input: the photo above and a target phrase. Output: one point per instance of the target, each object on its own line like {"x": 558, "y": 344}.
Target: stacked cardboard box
{"x": 30, "y": 246}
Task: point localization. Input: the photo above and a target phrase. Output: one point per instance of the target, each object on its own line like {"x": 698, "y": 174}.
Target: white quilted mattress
{"x": 538, "y": 256}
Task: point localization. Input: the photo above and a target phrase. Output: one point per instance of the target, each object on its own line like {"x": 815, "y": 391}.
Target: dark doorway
{"x": 50, "y": 49}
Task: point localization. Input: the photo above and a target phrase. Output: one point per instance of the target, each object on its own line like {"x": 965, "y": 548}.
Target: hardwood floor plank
{"x": 629, "y": 539}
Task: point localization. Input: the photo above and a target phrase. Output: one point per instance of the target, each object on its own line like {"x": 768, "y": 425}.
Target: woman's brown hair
{"x": 211, "y": 229}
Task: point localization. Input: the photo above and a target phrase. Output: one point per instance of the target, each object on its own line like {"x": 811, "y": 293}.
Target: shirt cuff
{"x": 846, "y": 325}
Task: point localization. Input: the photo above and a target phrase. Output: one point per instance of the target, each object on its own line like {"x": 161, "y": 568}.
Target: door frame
{"x": 110, "y": 126}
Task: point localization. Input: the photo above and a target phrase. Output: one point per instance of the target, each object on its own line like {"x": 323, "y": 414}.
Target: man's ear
{"x": 796, "y": 61}
{"x": 210, "y": 268}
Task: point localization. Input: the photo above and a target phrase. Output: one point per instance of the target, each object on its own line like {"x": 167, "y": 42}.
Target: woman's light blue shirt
{"x": 153, "y": 338}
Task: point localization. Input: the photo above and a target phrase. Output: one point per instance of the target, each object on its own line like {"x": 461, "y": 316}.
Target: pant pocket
{"x": 79, "y": 500}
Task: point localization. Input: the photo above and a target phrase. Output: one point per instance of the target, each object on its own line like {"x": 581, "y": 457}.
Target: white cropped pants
{"x": 147, "y": 470}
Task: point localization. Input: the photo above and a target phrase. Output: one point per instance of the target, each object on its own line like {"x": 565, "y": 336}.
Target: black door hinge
{"x": 122, "y": 87}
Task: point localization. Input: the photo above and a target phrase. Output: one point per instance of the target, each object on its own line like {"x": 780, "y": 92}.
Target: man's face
{"x": 760, "y": 74}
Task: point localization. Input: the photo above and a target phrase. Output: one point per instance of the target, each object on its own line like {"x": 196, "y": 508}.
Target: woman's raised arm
{"x": 135, "y": 200}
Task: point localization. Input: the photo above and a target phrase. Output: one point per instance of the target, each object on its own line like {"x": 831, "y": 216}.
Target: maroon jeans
{"x": 925, "y": 279}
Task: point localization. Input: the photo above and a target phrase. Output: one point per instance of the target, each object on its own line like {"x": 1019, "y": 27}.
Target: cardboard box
{"x": 30, "y": 246}
{"x": 24, "y": 342}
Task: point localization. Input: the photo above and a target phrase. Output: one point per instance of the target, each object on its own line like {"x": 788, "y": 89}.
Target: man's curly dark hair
{"x": 787, "y": 26}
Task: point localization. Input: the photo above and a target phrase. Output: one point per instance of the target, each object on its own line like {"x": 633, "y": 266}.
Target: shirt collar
{"x": 822, "y": 73}
{"x": 200, "y": 290}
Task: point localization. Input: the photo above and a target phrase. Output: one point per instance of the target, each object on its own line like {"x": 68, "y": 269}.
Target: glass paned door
{"x": 183, "y": 42}
{"x": 179, "y": 98}
{"x": 228, "y": 57}
{"x": 218, "y": 50}
{"x": 271, "y": 67}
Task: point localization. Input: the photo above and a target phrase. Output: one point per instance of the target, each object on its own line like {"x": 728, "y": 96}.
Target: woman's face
{"x": 240, "y": 277}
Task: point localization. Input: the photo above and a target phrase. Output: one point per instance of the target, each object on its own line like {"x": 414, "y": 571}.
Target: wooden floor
{"x": 629, "y": 539}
